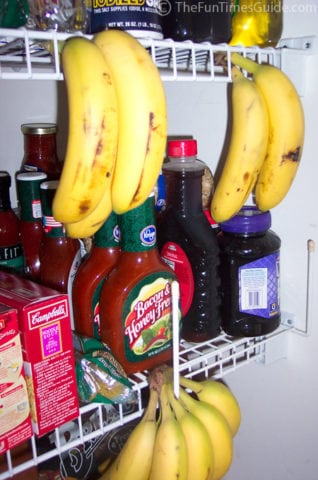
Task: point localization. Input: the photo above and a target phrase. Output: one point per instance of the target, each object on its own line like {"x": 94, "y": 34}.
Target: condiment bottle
{"x": 91, "y": 275}
{"x": 136, "y": 300}
{"x": 208, "y": 21}
{"x": 60, "y": 256}
{"x": 249, "y": 274}
{"x": 40, "y": 153}
{"x": 28, "y": 192}
{"x": 256, "y": 23}
{"x": 188, "y": 243}
{"x": 11, "y": 253}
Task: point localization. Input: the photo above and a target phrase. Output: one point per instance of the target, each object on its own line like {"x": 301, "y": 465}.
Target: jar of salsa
{"x": 91, "y": 276}
{"x": 136, "y": 299}
{"x": 40, "y": 153}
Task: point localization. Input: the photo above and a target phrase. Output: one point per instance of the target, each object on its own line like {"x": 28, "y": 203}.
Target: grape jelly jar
{"x": 250, "y": 254}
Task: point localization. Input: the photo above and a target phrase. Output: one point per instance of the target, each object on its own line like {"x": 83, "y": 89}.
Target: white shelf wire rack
{"x": 214, "y": 358}
{"x": 27, "y": 54}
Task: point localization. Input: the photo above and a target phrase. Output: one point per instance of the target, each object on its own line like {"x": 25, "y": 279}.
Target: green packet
{"x": 100, "y": 377}
{"x": 13, "y": 13}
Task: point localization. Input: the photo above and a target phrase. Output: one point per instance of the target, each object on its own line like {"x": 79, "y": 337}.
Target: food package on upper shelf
{"x": 64, "y": 15}
{"x": 13, "y": 13}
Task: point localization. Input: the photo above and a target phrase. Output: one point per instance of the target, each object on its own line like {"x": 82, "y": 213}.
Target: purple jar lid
{"x": 248, "y": 220}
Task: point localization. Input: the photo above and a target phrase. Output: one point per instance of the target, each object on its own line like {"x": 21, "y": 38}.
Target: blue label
{"x": 148, "y": 235}
{"x": 259, "y": 287}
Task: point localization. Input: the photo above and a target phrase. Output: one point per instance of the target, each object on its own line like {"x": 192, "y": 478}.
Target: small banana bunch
{"x": 266, "y": 141}
{"x": 117, "y": 130}
{"x": 190, "y": 439}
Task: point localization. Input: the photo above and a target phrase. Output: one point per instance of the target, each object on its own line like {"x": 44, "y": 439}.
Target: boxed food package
{"x": 15, "y": 420}
{"x": 47, "y": 348}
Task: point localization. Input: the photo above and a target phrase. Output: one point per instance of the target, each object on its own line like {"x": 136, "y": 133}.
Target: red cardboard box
{"x": 15, "y": 420}
{"x": 46, "y": 338}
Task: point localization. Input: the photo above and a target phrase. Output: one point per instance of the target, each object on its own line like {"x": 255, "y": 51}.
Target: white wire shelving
{"x": 35, "y": 55}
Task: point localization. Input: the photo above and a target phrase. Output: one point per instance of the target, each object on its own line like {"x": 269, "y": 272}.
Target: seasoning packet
{"x": 100, "y": 377}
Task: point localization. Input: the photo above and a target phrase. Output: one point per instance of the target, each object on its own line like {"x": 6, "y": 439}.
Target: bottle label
{"x": 95, "y": 310}
{"x": 52, "y": 228}
{"x": 12, "y": 256}
{"x": 175, "y": 257}
{"x": 147, "y": 317}
{"x": 259, "y": 287}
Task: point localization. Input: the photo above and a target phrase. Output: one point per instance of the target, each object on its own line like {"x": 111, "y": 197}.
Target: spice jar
{"x": 250, "y": 254}
{"x": 40, "y": 153}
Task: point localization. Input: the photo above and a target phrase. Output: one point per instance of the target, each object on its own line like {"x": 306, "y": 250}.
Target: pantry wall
{"x": 278, "y": 399}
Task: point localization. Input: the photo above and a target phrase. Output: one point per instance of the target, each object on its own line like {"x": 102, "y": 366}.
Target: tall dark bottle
{"x": 11, "y": 253}
{"x": 188, "y": 244}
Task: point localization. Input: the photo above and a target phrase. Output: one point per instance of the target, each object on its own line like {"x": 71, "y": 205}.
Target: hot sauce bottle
{"x": 11, "y": 253}
{"x": 91, "y": 275}
{"x": 60, "y": 256}
{"x": 28, "y": 191}
{"x": 136, "y": 301}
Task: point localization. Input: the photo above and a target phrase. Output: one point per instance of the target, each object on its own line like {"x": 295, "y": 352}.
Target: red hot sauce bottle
{"x": 28, "y": 191}
{"x": 136, "y": 300}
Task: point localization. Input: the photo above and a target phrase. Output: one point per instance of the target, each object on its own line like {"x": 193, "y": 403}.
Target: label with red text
{"x": 147, "y": 317}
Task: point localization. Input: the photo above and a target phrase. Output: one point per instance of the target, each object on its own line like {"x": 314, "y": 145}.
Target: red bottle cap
{"x": 182, "y": 148}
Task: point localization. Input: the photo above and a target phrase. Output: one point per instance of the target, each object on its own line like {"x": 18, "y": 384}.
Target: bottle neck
{"x": 108, "y": 236}
{"x": 5, "y": 203}
{"x": 138, "y": 229}
{"x": 184, "y": 191}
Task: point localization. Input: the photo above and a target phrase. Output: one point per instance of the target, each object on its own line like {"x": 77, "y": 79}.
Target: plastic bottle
{"x": 28, "y": 192}
{"x": 91, "y": 275}
{"x": 60, "y": 256}
{"x": 250, "y": 274}
{"x": 188, "y": 243}
{"x": 136, "y": 300}
{"x": 40, "y": 149}
{"x": 11, "y": 253}
{"x": 207, "y": 21}
{"x": 256, "y": 22}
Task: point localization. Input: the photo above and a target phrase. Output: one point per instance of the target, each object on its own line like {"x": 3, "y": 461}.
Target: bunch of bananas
{"x": 190, "y": 439}
{"x": 266, "y": 141}
{"x": 117, "y": 130}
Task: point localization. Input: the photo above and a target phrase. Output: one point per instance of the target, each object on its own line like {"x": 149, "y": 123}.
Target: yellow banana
{"x": 135, "y": 459}
{"x": 247, "y": 149}
{"x": 286, "y": 131}
{"x": 89, "y": 225}
{"x": 170, "y": 450}
{"x": 142, "y": 118}
{"x": 92, "y": 134}
{"x": 218, "y": 395}
{"x": 199, "y": 447}
{"x": 218, "y": 430}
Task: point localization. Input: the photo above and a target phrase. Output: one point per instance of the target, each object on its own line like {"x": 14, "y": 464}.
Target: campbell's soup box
{"x": 15, "y": 419}
{"x": 47, "y": 349}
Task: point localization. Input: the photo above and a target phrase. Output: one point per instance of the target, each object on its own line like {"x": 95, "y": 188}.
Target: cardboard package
{"x": 46, "y": 338}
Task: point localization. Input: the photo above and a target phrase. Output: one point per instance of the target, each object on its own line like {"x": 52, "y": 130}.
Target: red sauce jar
{"x": 40, "y": 153}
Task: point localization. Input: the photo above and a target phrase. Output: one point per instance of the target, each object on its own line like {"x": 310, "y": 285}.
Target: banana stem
{"x": 245, "y": 63}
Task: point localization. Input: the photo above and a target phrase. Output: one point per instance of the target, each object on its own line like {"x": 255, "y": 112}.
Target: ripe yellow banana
{"x": 142, "y": 118}
{"x": 89, "y": 225}
{"x": 247, "y": 148}
{"x": 200, "y": 452}
{"x": 170, "y": 450}
{"x": 135, "y": 459}
{"x": 286, "y": 131}
{"x": 218, "y": 395}
{"x": 218, "y": 430}
{"x": 92, "y": 134}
